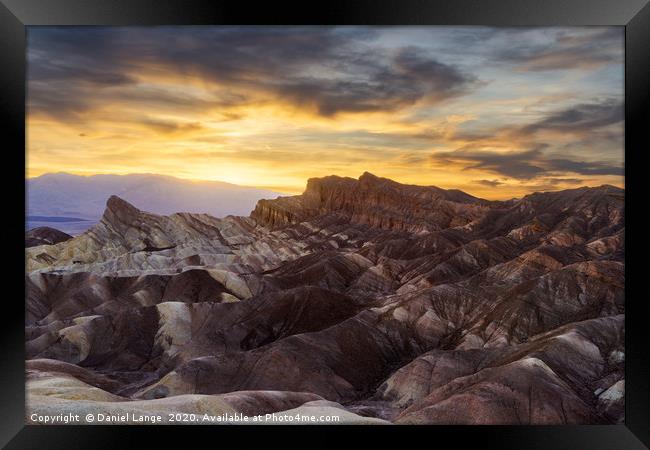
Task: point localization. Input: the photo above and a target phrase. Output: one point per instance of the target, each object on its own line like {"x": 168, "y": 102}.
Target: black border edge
{"x": 341, "y": 12}
{"x": 12, "y": 118}
{"x": 634, "y": 14}
{"x": 637, "y": 105}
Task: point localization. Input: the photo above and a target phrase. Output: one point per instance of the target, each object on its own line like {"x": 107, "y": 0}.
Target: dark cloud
{"x": 583, "y": 168}
{"x": 65, "y": 103}
{"x": 579, "y": 118}
{"x": 566, "y": 50}
{"x": 329, "y": 70}
{"x": 70, "y": 100}
{"x": 169, "y": 127}
{"x": 74, "y": 55}
{"x": 489, "y": 183}
{"x": 79, "y": 74}
{"x": 589, "y": 120}
{"x": 523, "y": 165}
{"x": 438, "y": 80}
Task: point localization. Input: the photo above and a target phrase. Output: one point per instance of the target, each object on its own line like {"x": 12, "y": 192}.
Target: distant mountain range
{"x": 75, "y": 203}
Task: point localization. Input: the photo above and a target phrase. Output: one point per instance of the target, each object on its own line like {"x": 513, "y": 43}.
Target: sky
{"x": 496, "y": 112}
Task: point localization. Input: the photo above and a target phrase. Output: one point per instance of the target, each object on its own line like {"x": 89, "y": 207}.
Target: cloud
{"x": 489, "y": 183}
{"x": 583, "y": 168}
{"x": 566, "y": 49}
{"x": 329, "y": 99}
{"x": 170, "y": 127}
{"x": 71, "y": 100}
{"x": 543, "y": 183}
{"x": 328, "y": 70}
{"x": 555, "y": 181}
{"x": 589, "y": 120}
{"x": 579, "y": 118}
{"x": 523, "y": 165}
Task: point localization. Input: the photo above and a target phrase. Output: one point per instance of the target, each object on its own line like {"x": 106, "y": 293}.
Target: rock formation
{"x": 45, "y": 236}
{"x": 382, "y": 301}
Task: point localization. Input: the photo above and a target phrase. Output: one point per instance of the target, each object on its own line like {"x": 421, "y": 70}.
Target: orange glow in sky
{"x": 498, "y": 113}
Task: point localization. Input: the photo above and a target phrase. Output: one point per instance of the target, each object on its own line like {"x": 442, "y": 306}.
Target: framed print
{"x": 383, "y": 218}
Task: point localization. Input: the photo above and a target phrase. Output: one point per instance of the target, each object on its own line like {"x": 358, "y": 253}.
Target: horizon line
{"x": 290, "y": 192}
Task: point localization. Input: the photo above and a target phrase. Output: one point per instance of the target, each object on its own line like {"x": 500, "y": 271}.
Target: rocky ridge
{"x": 401, "y": 303}
{"x": 45, "y": 236}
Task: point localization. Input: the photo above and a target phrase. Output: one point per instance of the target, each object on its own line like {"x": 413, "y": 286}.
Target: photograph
{"x": 310, "y": 224}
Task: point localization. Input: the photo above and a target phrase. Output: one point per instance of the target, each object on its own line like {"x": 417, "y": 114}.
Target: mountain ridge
{"x": 66, "y": 195}
{"x": 333, "y": 193}
{"x": 402, "y": 303}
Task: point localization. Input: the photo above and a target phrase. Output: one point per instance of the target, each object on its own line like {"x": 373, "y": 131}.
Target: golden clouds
{"x": 272, "y": 107}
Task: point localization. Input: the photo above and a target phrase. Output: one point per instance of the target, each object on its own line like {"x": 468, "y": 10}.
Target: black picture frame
{"x": 634, "y": 15}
